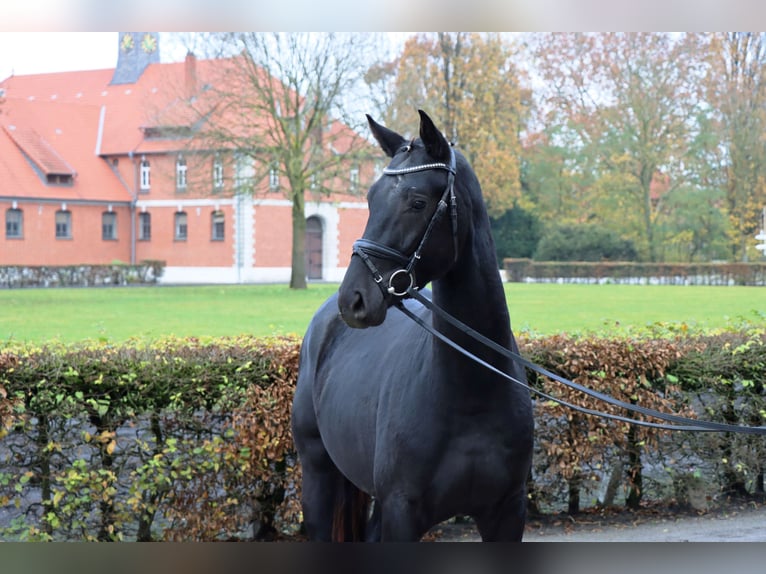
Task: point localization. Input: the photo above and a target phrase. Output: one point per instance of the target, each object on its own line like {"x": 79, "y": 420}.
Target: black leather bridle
{"x": 364, "y": 248}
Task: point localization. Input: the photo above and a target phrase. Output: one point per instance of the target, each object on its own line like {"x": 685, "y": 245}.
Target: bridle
{"x": 364, "y": 248}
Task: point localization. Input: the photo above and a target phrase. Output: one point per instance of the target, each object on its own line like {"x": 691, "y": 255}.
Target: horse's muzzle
{"x": 360, "y": 300}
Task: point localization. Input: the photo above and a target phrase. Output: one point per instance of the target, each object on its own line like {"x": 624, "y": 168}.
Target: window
{"x": 181, "y": 173}
{"x": 59, "y": 178}
{"x": 108, "y": 226}
{"x": 145, "y": 175}
{"x": 245, "y": 172}
{"x": 218, "y": 226}
{"x": 180, "y": 226}
{"x": 217, "y": 173}
{"x": 274, "y": 177}
{"x": 63, "y": 224}
{"x": 354, "y": 178}
{"x": 144, "y": 226}
{"x": 14, "y": 224}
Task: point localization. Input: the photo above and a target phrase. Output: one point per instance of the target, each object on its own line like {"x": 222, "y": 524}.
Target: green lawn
{"x": 116, "y": 314}
{"x": 551, "y": 308}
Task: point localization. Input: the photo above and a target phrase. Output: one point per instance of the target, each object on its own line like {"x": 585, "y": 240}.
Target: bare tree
{"x": 283, "y": 105}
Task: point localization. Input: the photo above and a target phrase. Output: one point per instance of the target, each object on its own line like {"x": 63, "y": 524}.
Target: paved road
{"x": 742, "y": 526}
{"x": 735, "y": 526}
{"x": 748, "y": 525}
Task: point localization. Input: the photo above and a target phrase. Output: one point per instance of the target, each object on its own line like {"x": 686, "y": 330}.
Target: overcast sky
{"x": 40, "y": 52}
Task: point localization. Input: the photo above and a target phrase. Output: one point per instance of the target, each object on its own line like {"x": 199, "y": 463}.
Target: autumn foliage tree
{"x": 736, "y": 88}
{"x": 622, "y": 108}
{"x": 470, "y": 85}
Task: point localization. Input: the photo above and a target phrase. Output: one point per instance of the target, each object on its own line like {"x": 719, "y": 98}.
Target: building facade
{"x": 90, "y": 175}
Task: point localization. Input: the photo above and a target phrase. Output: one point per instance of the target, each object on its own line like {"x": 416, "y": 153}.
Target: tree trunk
{"x": 298, "y": 274}
{"x": 615, "y": 479}
{"x": 636, "y": 491}
{"x": 42, "y": 439}
{"x": 573, "y": 506}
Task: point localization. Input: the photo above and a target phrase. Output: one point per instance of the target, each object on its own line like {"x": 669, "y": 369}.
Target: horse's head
{"x": 413, "y": 232}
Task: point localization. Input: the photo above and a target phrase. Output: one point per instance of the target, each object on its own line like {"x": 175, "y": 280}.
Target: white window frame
{"x": 217, "y": 173}
{"x": 181, "y": 172}
{"x": 64, "y": 226}
{"x": 145, "y": 175}
{"x": 180, "y": 226}
{"x": 109, "y": 219}
{"x": 217, "y": 224}
{"x": 144, "y": 226}
{"x": 14, "y": 217}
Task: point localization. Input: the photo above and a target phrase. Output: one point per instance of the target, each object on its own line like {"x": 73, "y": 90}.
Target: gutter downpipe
{"x": 134, "y": 200}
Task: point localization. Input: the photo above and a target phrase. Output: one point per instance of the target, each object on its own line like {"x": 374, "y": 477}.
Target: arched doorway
{"x": 313, "y": 248}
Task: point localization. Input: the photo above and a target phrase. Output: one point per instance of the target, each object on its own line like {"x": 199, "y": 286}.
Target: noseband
{"x": 365, "y": 248}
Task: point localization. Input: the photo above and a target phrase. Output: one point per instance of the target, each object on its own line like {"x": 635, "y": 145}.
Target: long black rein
{"x": 680, "y": 423}
{"x": 364, "y": 248}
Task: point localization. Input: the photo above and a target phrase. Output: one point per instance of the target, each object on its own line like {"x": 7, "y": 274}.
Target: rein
{"x": 364, "y": 248}
{"x": 680, "y": 423}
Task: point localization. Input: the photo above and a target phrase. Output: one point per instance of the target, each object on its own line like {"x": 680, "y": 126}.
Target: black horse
{"x": 382, "y": 409}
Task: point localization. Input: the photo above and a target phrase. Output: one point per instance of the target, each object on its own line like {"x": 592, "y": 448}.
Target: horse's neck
{"x": 473, "y": 293}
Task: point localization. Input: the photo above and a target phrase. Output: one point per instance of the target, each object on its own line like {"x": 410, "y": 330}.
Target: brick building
{"x": 92, "y": 171}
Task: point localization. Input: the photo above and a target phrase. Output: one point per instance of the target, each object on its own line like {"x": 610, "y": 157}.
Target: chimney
{"x": 190, "y": 75}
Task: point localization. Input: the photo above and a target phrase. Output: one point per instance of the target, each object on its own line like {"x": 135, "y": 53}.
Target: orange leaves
{"x": 627, "y": 369}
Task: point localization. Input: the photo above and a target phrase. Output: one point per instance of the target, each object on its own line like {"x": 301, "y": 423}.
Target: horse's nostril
{"x": 357, "y": 306}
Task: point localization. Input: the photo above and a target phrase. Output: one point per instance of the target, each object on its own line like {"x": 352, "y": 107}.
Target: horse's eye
{"x": 418, "y": 204}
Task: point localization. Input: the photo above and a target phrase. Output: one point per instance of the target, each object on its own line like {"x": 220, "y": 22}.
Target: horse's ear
{"x": 390, "y": 141}
{"x": 434, "y": 141}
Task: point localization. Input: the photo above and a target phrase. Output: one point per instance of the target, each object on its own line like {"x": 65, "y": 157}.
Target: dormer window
{"x": 181, "y": 173}
{"x": 59, "y": 178}
{"x": 145, "y": 175}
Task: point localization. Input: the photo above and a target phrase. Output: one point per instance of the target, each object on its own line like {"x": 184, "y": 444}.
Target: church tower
{"x": 137, "y": 50}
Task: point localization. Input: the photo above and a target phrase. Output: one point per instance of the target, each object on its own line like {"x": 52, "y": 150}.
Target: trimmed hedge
{"x": 183, "y": 439}
{"x": 116, "y": 274}
{"x": 177, "y": 440}
{"x": 527, "y": 270}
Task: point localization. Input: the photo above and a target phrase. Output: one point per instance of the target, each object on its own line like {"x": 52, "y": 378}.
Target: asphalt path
{"x": 733, "y": 526}
{"x": 739, "y": 524}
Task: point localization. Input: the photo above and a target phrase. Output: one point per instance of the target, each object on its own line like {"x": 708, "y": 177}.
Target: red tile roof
{"x": 39, "y": 151}
{"x": 43, "y": 137}
{"x": 73, "y": 121}
{"x": 70, "y": 122}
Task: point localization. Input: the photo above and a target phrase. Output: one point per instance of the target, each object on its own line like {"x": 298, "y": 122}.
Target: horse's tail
{"x": 350, "y": 513}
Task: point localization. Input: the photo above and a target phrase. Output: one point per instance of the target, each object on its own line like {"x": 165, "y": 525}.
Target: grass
{"x": 552, "y": 308}
{"x": 117, "y": 314}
